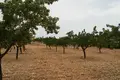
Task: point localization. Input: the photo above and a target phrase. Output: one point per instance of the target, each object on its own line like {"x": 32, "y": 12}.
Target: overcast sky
{"x": 77, "y": 15}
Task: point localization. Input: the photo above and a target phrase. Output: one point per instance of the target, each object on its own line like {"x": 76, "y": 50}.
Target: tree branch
{"x": 2, "y": 55}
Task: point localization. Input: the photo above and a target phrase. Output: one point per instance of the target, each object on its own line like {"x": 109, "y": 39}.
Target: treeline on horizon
{"x": 107, "y": 38}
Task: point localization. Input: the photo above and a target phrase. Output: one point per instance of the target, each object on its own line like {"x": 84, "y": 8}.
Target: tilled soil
{"x": 41, "y": 63}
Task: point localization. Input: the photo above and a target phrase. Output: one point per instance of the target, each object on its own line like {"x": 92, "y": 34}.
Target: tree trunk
{"x": 17, "y": 52}
{"x": 50, "y": 47}
{"x": 77, "y": 47}
{"x": 46, "y": 46}
{"x": 84, "y": 53}
{"x": 63, "y": 50}
{"x": 2, "y": 55}
{"x": 0, "y": 51}
{"x": 0, "y": 67}
{"x": 14, "y": 47}
{"x": 99, "y": 49}
{"x": 10, "y": 49}
{"x": 83, "y": 48}
{"x": 56, "y": 48}
{"x": 24, "y": 48}
{"x": 20, "y": 50}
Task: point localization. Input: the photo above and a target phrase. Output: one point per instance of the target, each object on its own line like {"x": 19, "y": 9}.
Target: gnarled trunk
{"x": 17, "y": 52}
{"x": 1, "y": 56}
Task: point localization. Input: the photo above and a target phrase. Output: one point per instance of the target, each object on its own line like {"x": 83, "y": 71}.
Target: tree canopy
{"x": 20, "y": 20}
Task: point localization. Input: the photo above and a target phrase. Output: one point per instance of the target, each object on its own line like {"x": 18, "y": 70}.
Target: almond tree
{"x": 64, "y": 42}
{"x": 114, "y": 36}
{"x": 49, "y": 41}
{"x": 24, "y": 15}
{"x": 100, "y": 39}
{"x": 72, "y": 38}
{"x": 83, "y": 40}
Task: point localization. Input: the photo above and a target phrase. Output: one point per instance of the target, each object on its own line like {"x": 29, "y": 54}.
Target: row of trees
{"x": 107, "y": 38}
{"x": 20, "y": 20}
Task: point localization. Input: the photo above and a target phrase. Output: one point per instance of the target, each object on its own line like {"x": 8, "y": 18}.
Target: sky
{"x": 77, "y": 15}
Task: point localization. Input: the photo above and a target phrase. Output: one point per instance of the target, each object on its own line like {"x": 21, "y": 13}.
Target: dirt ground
{"x": 39, "y": 63}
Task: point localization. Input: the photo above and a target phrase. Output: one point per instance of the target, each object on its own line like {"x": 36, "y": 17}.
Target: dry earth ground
{"x": 39, "y": 63}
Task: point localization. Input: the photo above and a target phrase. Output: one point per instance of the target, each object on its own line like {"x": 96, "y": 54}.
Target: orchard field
{"x": 81, "y": 55}
{"x": 41, "y": 63}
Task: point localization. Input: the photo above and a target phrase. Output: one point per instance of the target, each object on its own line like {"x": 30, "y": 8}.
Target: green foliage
{"x": 83, "y": 39}
{"x": 21, "y": 18}
{"x": 50, "y": 41}
{"x": 114, "y": 36}
{"x": 63, "y": 41}
{"x": 100, "y": 39}
{"x": 70, "y": 34}
{"x": 72, "y": 39}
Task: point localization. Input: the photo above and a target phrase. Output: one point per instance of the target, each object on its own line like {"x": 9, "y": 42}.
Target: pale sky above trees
{"x": 79, "y": 14}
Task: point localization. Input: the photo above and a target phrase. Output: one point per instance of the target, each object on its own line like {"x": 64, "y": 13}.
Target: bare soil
{"x": 41, "y": 63}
